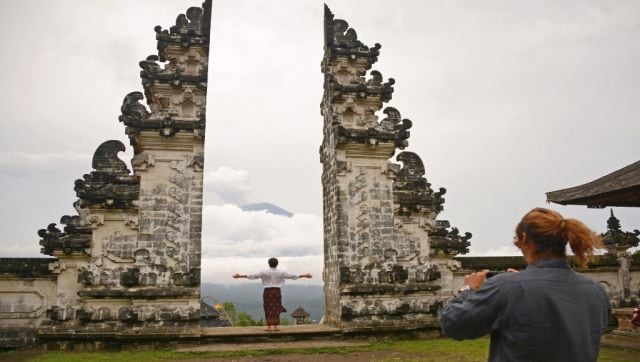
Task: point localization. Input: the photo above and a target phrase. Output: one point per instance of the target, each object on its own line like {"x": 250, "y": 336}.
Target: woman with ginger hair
{"x": 547, "y": 312}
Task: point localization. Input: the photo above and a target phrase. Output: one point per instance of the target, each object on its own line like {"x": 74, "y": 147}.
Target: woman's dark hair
{"x": 550, "y": 233}
{"x": 273, "y": 262}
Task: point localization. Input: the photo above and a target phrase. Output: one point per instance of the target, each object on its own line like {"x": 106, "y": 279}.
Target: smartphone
{"x": 493, "y": 273}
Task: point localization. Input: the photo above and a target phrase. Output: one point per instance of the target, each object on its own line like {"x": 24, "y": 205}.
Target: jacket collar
{"x": 550, "y": 263}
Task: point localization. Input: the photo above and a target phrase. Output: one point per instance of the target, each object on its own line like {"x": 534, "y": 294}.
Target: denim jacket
{"x": 547, "y": 312}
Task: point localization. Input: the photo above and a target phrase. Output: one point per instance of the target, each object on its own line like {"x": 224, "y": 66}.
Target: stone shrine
{"x": 388, "y": 261}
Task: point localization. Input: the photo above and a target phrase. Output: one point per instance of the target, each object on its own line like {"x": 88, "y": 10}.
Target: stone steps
{"x": 258, "y": 334}
{"x": 277, "y": 345}
{"x": 622, "y": 339}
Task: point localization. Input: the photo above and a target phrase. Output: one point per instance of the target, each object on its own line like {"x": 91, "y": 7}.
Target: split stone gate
{"x": 127, "y": 265}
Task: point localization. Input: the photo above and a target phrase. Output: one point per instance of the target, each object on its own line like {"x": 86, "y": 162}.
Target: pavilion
{"x": 619, "y": 188}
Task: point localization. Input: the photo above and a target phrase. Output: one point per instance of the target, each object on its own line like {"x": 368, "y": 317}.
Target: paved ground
{"x": 224, "y": 347}
{"x": 252, "y": 331}
{"x": 380, "y": 356}
{"x": 336, "y": 357}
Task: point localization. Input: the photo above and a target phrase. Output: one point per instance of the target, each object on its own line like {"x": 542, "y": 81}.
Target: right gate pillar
{"x": 388, "y": 263}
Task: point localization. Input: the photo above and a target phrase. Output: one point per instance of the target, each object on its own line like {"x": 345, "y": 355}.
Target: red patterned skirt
{"x": 272, "y": 303}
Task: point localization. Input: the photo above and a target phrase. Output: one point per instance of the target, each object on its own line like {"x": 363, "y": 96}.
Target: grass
{"x": 440, "y": 349}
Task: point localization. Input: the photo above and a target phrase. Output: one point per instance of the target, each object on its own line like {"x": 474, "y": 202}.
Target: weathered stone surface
{"x": 130, "y": 258}
{"x": 387, "y": 260}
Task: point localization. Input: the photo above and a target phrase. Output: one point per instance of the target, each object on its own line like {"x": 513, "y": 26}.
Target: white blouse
{"x": 272, "y": 278}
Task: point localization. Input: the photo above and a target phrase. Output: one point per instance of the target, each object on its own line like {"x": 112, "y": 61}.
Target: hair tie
{"x": 563, "y": 224}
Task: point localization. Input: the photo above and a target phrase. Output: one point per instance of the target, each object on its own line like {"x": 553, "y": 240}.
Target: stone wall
{"x": 388, "y": 261}
{"x": 605, "y": 270}
{"x": 27, "y": 292}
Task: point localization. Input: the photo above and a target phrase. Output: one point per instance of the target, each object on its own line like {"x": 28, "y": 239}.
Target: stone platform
{"x": 627, "y": 335}
{"x": 258, "y": 331}
{"x": 212, "y": 338}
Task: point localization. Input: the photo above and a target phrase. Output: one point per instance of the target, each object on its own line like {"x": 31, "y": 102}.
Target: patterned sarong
{"x": 272, "y": 303}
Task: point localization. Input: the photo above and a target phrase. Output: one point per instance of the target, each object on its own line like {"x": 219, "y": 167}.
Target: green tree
{"x": 230, "y": 312}
{"x": 245, "y": 319}
{"x": 284, "y": 322}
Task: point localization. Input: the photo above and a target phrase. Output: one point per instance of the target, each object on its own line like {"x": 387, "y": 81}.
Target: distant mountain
{"x": 248, "y": 298}
{"x": 265, "y": 206}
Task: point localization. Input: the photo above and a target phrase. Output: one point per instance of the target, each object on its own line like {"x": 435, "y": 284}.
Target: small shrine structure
{"x": 301, "y": 316}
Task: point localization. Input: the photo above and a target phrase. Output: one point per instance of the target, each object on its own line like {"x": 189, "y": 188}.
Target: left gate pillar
{"x": 129, "y": 263}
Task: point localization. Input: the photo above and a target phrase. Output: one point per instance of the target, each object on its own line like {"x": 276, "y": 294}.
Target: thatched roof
{"x": 619, "y": 188}
{"x": 300, "y": 313}
{"x": 208, "y": 311}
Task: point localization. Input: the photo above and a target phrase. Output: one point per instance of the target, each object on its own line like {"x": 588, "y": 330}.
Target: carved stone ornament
{"x": 340, "y": 40}
{"x": 191, "y": 29}
{"x": 142, "y": 161}
{"x": 54, "y": 240}
{"x": 136, "y": 117}
{"x": 110, "y": 185}
{"x": 615, "y": 239}
{"x": 152, "y": 73}
{"x": 448, "y": 242}
{"x": 411, "y": 190}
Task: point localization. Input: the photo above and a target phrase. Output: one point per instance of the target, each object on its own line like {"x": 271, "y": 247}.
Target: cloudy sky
{"x": 509, "y": 99}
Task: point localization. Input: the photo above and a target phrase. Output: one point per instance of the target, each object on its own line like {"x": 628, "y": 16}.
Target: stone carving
{"x": 119, "y": 247}
{"x": 449, "y": 242}
{"x": 191, "y": 29}
{"x": 130, "y": 278}
{"x": 60, "y": 313}
{"x": 617, "y": 242}
{"x": 166, "y": 118}
{"x": 176, "y": 73}
{"x": 342, "y": 40}
{"x": 616, "y": 239}
{"x": 106, "y": 160}
{"x": 137, "y": 237}
{"x": 428, "y": 275}
{"x": 85, "y": 277}
{"x": 53, "y": 239}
{"x": 109, "y": 185}
{"x": 133, "y": 112}
{"x": 142, "y": 161}
{"x": 411, "y": 189}
{"x": 382, "y": 240}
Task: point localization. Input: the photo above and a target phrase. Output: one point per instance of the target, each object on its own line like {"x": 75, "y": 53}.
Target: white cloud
{"x": 227, "y": 184}
{"x": 42, "y": 160}
{"x": 11, "y": 250}
{"x": 507, "y": 250}
{"x": 237, "y": 241}
{"x": 230, "y": 232}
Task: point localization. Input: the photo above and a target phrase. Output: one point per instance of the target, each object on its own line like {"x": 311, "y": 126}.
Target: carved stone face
{"x": 170, "y": 251}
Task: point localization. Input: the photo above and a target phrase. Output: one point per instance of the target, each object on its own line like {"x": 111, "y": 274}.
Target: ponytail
{"x": 582, "y": 240}
{"x": 550, "y": 232}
